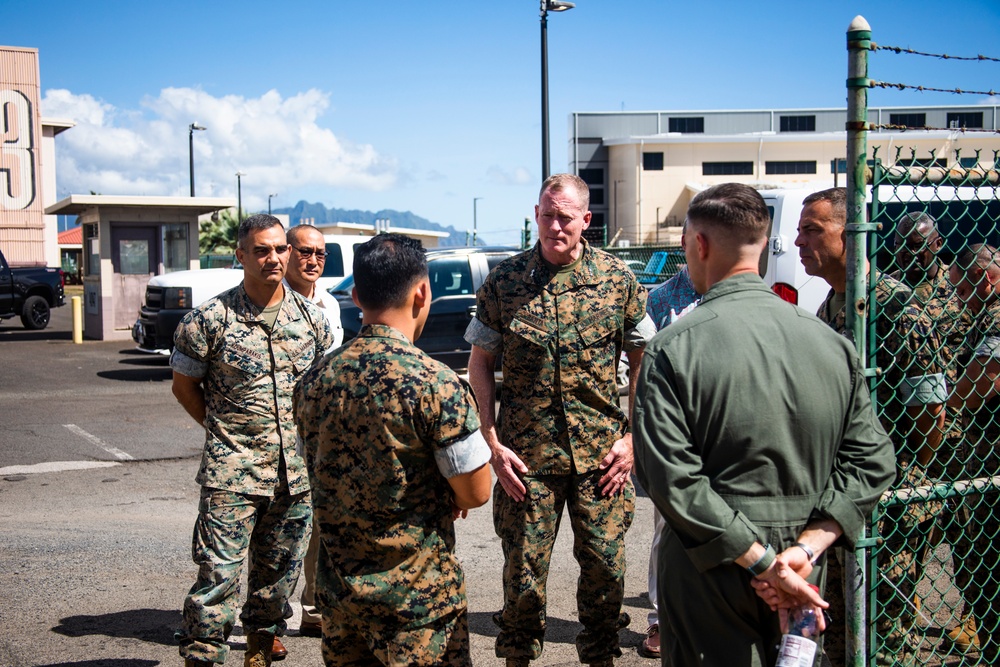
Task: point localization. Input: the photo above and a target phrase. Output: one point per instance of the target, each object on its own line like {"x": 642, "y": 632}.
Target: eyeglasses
{"x": 309, "y": 252}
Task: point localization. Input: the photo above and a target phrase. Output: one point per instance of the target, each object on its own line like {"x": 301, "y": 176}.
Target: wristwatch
{"x": 764, "y": 562}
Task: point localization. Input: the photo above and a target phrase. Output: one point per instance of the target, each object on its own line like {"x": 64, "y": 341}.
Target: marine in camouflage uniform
{"x": 255, "y": 492}
{"x": 906, "y": 350}
{"x": 561, "y": 331}
{"x": 952, "y": 461}
{"x": 383, "y": 426}
{"x": 977, "y": 397}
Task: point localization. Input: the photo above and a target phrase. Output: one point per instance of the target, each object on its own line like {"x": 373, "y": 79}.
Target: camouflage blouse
{"x": 248, "y": 373}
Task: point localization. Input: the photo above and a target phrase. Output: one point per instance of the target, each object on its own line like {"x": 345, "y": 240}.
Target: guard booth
{"x": 126, "y": 241}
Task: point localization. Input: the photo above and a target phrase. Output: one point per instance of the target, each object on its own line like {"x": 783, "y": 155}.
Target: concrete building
{"x": 643, "y": 167}
{"x": 27, "y": 163}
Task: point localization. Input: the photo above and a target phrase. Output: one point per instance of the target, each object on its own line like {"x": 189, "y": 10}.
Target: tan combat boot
{"x": 258, "y": 653}
{"x": 965, "y": 636}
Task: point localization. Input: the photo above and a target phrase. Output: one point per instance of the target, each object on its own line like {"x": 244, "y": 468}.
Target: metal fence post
{"x": 858, "y": 44}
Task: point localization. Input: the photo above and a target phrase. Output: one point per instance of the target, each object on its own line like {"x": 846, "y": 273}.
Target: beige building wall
{"x": 648, "y": 206}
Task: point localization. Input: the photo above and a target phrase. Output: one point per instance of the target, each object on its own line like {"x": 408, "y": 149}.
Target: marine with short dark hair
{"x": 391, "y": 439}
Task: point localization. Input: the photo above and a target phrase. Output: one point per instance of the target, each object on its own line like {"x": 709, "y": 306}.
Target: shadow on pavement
{"x": 12, "y": 333}
{"x": 150, "y": 625}
{"x": 154, "y": 374}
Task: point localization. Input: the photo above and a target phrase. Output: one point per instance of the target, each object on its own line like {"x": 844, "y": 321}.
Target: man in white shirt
{"x": 305, "y": 266}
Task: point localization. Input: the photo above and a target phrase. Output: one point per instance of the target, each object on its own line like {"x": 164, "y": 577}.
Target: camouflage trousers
{"x": 356, "y": 642}
{"x": 232, "y": 528}
{"x": 527, "y": 531}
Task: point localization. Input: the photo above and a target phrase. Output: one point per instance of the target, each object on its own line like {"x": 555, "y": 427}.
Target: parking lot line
{"x": 114, "y": 451}
{"x": 56, "y": 466}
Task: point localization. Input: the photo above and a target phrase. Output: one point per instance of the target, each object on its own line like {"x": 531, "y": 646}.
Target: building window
{"x": 968, "y": 162}
{"x": 593, "y": 176}
{"x": 908, "y": 119}
{"x": 838, "y": 166}
{"x": 92, "y": 250}
{"x": 798, "y": 124}
{"x": 595, "y": 234}
{"x": 791, "y": 167}
{"x": 175, "y": 248}
{"x": 727, "y": 168}
{"x": 924, "y": 162}
{"x": 652, "y": 161}
{"x": 597, "y": 196}
{"x": 695, "y": 125}
{"x": 965, "y": 119}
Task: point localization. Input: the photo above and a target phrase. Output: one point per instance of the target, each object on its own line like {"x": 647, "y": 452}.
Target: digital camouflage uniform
{"x": 254, "y": 497}
{"x": 561, "y": 335}
{"x": 737, "y": 442}
{"x": 951, "y": 461}
{"x": 383, "y": 426}
{"x": 983, "y": 434}
{"x": 906, "y": 350}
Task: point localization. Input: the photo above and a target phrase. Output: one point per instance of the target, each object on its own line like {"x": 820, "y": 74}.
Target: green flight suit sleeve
{"x": 669, "y": 467}
{"x": 864, "y": 467}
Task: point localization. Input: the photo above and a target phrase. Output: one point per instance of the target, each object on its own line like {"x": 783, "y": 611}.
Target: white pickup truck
{"x": 169, "y": 297}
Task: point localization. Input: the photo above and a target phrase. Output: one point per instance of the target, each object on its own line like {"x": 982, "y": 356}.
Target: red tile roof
{"x": 72, "y": 236}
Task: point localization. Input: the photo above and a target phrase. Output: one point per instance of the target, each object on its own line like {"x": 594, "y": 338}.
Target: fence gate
{"x": 926, "y": 319}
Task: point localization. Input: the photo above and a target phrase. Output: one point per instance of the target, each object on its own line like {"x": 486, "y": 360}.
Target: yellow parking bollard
{"x": 77, "y": 305}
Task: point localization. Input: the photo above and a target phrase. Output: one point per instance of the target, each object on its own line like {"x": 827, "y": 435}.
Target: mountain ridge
{"x": 321, "y": 215}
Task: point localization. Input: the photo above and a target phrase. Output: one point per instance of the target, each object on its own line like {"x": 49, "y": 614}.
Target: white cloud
{"x": 276, "y": 142}
{"x": 992, "y": 100}
{"x": 500, "y": 176}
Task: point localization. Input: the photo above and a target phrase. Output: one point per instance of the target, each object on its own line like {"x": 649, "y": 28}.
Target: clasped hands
{"x": 784, "y": 587}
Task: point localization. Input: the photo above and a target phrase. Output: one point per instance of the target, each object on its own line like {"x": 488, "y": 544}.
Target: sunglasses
{"x": 309, "y": 252}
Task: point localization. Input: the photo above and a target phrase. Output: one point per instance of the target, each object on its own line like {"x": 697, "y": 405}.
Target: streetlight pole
{"x": 191, "y": 128}
{"x": 475, "y": 226}
{"x": 546, "y": 7}
{"x": 275, "y": 194}
{"x": 239, "y": 196}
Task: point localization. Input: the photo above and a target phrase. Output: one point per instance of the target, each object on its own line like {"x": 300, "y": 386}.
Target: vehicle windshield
{"x": 344, "y": 286}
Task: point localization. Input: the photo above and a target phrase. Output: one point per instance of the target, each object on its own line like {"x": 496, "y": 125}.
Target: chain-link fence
{"x": 651, "y": 264}
{"x": 931, "y": 339}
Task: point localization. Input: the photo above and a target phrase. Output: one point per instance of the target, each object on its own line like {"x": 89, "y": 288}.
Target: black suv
{"x": 455, "y": 274}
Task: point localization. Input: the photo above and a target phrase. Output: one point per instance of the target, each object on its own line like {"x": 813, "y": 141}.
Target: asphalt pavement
{"x": 97, "y": 503}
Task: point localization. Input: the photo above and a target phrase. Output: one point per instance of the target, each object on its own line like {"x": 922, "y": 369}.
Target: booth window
{"x": 175, "y": 248}
{"x": 92, "y": 249}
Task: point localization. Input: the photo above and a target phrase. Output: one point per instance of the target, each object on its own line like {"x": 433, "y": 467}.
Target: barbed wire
{"x": 943, "y": 56}
{"x": 889, "y": 126}
{"x": 928, "y": 89}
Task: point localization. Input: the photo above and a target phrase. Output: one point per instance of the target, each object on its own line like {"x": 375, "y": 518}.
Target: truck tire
{"x": 35, "y": 314}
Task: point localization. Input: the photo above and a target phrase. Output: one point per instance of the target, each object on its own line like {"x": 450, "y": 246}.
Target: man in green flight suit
{"x": 560, "y": 314}
{"x": 394, "y": 452}
{"x": 757, "y": 468}
{"x": 236, "y": 359}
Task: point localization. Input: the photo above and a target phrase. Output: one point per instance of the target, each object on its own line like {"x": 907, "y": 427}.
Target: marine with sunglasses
{"x": 236, "y": 360}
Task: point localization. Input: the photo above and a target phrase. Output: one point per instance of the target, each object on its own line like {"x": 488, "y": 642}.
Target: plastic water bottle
{"x": 798, "y": 647}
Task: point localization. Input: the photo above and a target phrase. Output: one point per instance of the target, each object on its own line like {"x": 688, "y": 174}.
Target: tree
{"x": 219, "y": 236}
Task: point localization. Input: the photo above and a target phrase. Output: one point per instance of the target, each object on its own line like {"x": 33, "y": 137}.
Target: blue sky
{"x": 423, "y": 105}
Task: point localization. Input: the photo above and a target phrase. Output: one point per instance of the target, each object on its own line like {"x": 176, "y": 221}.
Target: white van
{"x": 779, "y": 264}
{"x": 170, "y": 296}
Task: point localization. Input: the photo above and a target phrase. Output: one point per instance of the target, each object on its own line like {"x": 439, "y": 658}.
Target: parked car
{"x": 455, "y": 275}
{"x": 30, "y": 293}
